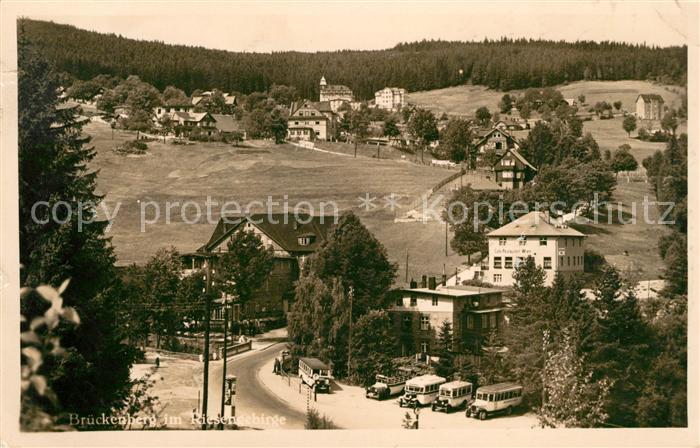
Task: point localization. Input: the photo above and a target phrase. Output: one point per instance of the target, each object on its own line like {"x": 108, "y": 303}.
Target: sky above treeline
{"x": 316, "y": 26}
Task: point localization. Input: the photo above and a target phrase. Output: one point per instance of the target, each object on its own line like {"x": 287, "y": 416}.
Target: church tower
{"x": 323, "y": 81}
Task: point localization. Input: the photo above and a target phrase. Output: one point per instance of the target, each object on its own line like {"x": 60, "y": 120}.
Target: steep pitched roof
{"x": 518, "y": 156}
{"x": 647, "y": 97}
{"x": 318, "y": 106}
{"x": 494, "y": 129}
{"x": 227, "y": 123}
{"x": 534, "y": 224}
{"x": 280, "y": 227}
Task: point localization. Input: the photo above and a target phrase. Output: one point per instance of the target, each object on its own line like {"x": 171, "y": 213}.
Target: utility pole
{"x": 407, "y": 265}
{"x": 351, "y": 293}
{"x": 446, "y": 229}
{"x": 207, "y": 328}
{"x": 223, "y": 374}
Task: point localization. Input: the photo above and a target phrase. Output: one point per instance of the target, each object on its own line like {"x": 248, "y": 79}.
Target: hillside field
{"x": 465, "y": 100}
{"x": 177, "y": 174}
{"x": 639, "y": 239}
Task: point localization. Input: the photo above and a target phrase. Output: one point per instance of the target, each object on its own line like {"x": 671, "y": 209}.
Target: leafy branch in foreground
{"x": 40, "y": 340}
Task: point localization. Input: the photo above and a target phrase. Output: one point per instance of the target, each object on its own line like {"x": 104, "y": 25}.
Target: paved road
{"x": 256, "y": 406}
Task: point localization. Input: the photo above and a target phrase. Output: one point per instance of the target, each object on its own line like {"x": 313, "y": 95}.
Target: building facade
{"x": 649, "y": 106}
{"x": 335, "y": 94}
{"x": 498, "y": 140}
{"x": 292, "y": 241}
{"x": 557, "y": 248}
{"x": 161, "y": 111}
{"x": 512, "y": 171}
{"x": 311, "y": 121}
{"x": 390, "y": 98}
{"x": 419, "y": 312}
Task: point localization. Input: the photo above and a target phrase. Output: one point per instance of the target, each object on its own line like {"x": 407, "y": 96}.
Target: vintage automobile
{"x": 386, "y": 386}
{"x": 421, "y": 390}
{"x": 501, "y": 397}
{"x": 315, "y": 374}
{"x": 453, "y": 395}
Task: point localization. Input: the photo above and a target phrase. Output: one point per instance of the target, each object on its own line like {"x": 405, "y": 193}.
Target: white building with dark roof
{"x": 649, "y": 106}
{"x": 336, "y": 94}
{"x": 390, "y": 98}
{"x": 554, "y": 246}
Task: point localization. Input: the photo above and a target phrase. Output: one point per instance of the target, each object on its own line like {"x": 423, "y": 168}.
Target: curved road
{"x": 256, "y": 406}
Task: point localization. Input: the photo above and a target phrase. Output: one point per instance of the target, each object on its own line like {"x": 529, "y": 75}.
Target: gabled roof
{"x": 318, "y": 106}
{"x": 518, "y": 156}
{"x": 227, "y": 123}
{"x": 647, "y": 97}
{"x": 494, "y": 129}
{"x": 535, "y": 224}
{"x": 192, "y": 116}
{"x": 279, "y": 227}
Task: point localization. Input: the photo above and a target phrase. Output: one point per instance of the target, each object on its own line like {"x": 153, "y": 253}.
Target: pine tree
{"x": 373, "y": 347}
{"x": 445, "y": 366}
{"x": 523, "y": 334}
{"x": 619, "y": 349}
{"x": 53, "y": 157}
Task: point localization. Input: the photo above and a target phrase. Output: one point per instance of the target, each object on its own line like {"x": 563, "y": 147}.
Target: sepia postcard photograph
{"x": 395, "y": 223}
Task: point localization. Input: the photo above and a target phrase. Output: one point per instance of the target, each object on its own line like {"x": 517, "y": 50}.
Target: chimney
{"x": 444, "y": 279}
{"x": 432, "y": 283}
{"x": 413, "y": 284}
{"x": 424, "y": 282}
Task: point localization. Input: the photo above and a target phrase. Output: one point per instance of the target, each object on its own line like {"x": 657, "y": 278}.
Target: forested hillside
{"x": 503, "y": 64}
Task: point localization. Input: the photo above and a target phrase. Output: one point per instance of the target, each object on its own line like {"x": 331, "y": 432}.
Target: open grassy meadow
{"x": 179, "y": 173}
{"x": 626, "y": 230}
{"x": 465, "y": 100}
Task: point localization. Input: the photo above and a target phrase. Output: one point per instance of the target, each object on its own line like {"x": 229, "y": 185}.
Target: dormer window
{"x": 305, "y": 240}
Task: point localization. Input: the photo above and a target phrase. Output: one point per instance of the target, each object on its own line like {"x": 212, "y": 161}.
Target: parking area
{"x": 349, "y": 409}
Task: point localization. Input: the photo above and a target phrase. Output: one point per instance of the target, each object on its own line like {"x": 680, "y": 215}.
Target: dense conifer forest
{"x": 500, "y": 64}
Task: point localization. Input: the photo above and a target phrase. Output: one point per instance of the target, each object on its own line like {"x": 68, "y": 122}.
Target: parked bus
{"x": 453, "y": 395}
{"x": 315, "y": 373}
{"x": 501, "y": 397}
{"x": 421, "y": 390}
{"x": 386, "y": 386}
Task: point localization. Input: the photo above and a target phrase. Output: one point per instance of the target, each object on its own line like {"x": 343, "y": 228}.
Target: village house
{"x": 336, "y": 94}
{"x": 229, "y": 99}
{"x": 418, "y": 313}
{"x": 292, "y": 240}
{"x": 649, "y": 106}
{"x": 121, "y": 111}
{"x": 390, "y": 98}
{"x": 512, "y": 171}
{"x": 496, "y": 139}
{"x": 309, "y": 120}
{"x": 188, "y": 121}
{"x": 161, "y": 111}
{"x": 555, "y": 247}
{"x": 510, "y": 125}
{"x": 228, "y": 125}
